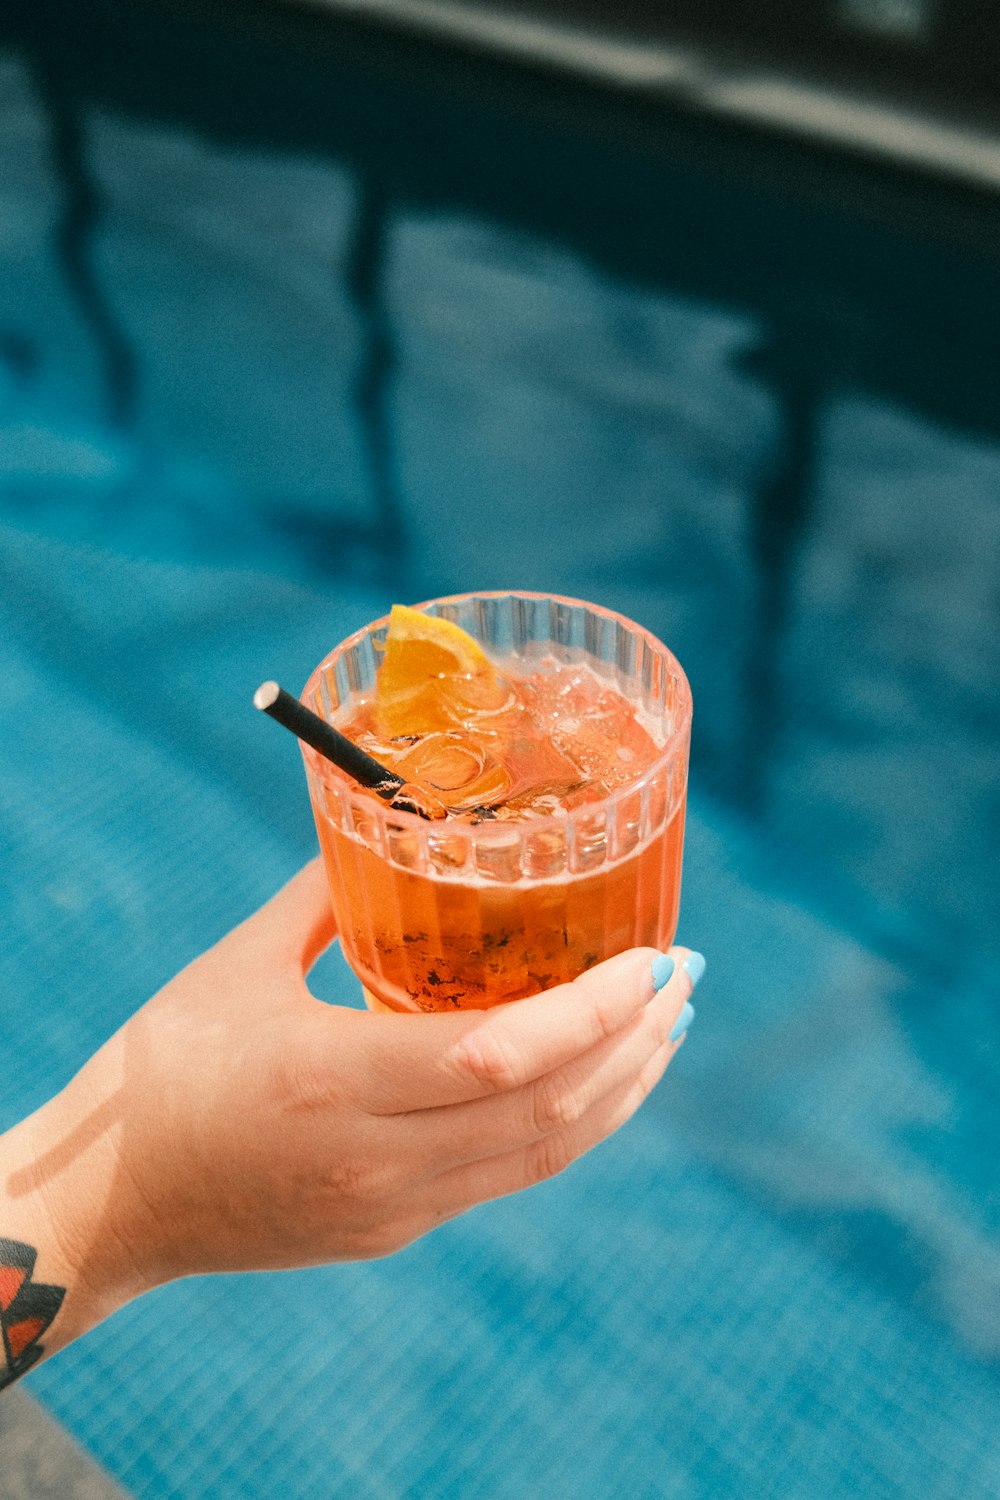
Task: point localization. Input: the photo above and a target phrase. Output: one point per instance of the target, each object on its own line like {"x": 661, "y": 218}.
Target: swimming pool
{"x": 285, "y": 338}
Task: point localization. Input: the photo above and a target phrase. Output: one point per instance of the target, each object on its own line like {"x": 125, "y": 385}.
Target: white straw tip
{"x": 266, "y": 695}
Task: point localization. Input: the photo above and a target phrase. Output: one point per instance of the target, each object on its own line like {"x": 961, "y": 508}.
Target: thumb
{"x": 297, "y": 924}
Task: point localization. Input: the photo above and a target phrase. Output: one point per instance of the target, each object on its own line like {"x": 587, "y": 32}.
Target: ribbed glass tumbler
{"x": 443, "y": 915}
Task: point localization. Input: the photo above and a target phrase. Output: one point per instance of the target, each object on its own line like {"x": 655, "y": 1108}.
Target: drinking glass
{"x": 442, "y": 915}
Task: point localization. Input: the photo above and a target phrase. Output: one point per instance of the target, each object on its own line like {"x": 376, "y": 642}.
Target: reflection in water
{"x": 364, "y": 275}
{"x": 74, "y": 237}
{"x": 779, "y": 519}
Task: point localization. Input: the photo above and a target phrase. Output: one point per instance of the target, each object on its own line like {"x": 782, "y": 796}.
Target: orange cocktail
{"x": 551, "y": 740}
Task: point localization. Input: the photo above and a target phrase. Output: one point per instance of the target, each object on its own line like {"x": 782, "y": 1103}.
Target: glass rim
{"x": 361, "y": 798}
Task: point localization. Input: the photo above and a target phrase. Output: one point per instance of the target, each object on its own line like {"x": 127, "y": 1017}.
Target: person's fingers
{"x": 455, "y": 1133}
{"x": 296, "y": 925}
{"x": 526, "y": 1166}
{"x": 419, "y": 1062}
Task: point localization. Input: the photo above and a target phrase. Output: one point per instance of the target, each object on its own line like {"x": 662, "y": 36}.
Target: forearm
{"x": 35, "y": 1275}
{"x": 59, "y": 1270}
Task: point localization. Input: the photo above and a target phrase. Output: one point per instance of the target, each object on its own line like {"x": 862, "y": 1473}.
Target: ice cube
{"x": 547, "y": 797}
{"x": 608, "y": 746}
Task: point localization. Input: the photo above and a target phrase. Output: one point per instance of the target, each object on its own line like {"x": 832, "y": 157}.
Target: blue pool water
{"x": 282, "y": 341}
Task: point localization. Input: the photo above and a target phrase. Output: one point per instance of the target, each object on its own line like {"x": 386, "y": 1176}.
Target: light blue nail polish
{"x": 683, "y": 1022}
{"x": 663, "y": 968}
{"x": 694, "y": 967}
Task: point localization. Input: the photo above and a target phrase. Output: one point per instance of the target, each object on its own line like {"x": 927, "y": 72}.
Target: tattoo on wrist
{"x": 26, "y": 1310}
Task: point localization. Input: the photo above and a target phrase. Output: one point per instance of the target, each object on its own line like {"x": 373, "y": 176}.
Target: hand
{"x": 236, "y": 1122}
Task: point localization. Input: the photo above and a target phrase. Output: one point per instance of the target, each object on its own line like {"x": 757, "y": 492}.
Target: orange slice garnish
{"x": 433, "y": 676}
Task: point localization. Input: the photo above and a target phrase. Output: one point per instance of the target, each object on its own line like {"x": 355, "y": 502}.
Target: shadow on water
{"x": 79, "y": 219}
{"x": 371, "y": 545}
{"x": 365, "y": 277}
{"x": 779, "y": 520}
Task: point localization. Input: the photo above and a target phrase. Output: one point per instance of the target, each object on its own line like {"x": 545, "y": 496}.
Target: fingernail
{"x": 683, "y": 1022}
{"x": 694, "y": 967}
{"x": 663, "y": 968}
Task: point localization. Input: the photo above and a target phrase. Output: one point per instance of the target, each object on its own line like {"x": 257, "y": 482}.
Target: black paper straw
{"x": 272, "y": 699}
